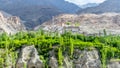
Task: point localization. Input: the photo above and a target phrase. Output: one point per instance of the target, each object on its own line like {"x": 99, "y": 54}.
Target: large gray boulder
{"x": 114, "y": 64}
{"x": 86, "y": 59}
{"x": 53, "y": 63}
{"x": 29, "y": 57}
{"x": 81, "y": 59}
{"x": 67, "y": 63}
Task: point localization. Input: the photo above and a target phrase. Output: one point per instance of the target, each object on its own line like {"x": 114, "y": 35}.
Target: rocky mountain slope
{"x": 10, "y": 24}
{"x": 87, "y": 23}
{"x": 107, "y": 6}
{"x": 35, "y": 12}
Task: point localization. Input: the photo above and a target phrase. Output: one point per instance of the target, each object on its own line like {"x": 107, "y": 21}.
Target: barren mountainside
{"x": 89, "y": 23}
{"x": 35, "y": 12}
{"x": 10, "y": 24}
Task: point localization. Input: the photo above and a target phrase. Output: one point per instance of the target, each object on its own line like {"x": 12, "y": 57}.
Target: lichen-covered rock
{"x": 29, "y": 57}
{"x": 53, "y": 63}
{"x": 81, "y": 59}
{"x": 114, "y": 64}
{"x": 67, "y": 62}
{"x": 86, "y": 59}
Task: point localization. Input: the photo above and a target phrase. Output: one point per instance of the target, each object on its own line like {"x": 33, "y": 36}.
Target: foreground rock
{"x": 87, "y": 59}
{"x": 29, "y": 57}
{"x": 114, "y": 63}
{"x": 81, "y": 59}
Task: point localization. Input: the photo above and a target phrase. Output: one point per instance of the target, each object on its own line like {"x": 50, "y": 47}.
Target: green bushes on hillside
{"x": 108, "y": 46}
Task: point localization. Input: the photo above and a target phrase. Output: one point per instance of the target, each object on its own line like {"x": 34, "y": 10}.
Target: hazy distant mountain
{"x": 35, "y": 12}
{"x": 65, "y": 6}
{"x": 107, "y": 6}
{"x": 89, "y": 5}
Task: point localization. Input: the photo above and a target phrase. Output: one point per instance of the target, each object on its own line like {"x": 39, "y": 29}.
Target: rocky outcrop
{"x": 10, "y": 24}
{"x": 114, "y": 64}
{"x": 87, "y": 58}
{"x": 81, "y": 59}
{"x": 29, "y": 57}
{"x": 53, "y": 63}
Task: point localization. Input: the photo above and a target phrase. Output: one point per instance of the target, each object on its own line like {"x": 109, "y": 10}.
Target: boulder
{"x": 81, "y": 59}
{"x": 67, "y": 62}
{"x": 53, "y": 63}
{"x": 29, "y": 56}
{"x": 86, "y": 59}
{"x": 114, "y": 64}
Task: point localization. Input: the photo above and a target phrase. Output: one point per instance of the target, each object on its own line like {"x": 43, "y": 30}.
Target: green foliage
{"x": 1, "y": 62}
{"x": 108, "y": 45}
{"x": 103, "y": 57}
{"x": 71, "y": 48}
{"x": 60, "y": 57}
{"x": 25, "y": 65}
{"x": 68, "y": 23}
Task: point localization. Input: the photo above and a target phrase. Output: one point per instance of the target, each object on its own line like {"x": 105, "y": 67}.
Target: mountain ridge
{"x": 106, "y": 6}
{"x": 89, "y": 5}
{"x": 10, "y": 24}
{"x": 35, "y": 12}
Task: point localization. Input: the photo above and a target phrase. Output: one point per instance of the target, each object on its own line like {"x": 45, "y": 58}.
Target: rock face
{"x": 53, "y": 62}
{"x": 114, "y": 64}
{"x": 29, "y": 57}
{"x": 81, "y": 59}
{"x": 10, "y": 24}
{"x": 87, "y": 23}
{"x": 86, "y": 59}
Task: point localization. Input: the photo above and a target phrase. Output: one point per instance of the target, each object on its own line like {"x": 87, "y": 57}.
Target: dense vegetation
{"x": 108, "y": 45}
